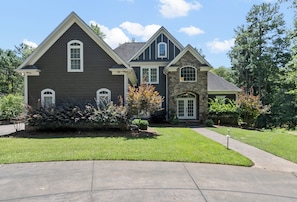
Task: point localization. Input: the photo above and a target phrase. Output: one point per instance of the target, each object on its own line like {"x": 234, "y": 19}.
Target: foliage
{"x": 142, "y": 124}
{"x": 144, "y": 100}
{"x": 261, "y": 49}
{"x": 250, "y": 108}
{"x": 224, "y": 111}
{"x": 10, "y": 81}
{"x": 208, "y": 123}
{"x": 71, "y": 116}
{"x": 97, "y": 30}
{"x": 224, "y": 72}
{"x": 11, "y": 106}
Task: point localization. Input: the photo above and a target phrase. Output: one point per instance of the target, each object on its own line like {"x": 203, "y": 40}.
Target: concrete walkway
{"x": 260, "y": 158}
{"x": 8, "y": 129}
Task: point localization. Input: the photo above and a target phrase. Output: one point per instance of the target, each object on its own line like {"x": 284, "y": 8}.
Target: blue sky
{"x": 205, "y": 24}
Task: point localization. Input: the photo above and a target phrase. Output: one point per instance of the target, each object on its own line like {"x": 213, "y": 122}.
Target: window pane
{"x": 162, "y": 49}
{"x": 154, "y": 75}
{"x": 48, "y": 101}
{"x": 188, "y": 74}
{"x": 145, "y": 74}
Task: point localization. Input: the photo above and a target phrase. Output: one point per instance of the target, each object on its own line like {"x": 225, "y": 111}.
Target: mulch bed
{"x": 149, "y": 133}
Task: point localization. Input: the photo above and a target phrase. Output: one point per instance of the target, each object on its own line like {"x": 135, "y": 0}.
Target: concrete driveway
{"x": 143, "y": 181}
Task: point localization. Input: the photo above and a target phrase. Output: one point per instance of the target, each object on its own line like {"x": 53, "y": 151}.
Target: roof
{"x": 60, "y": 30}
{"x": 162, "y": 30}
{"x": 218, "y": 84}
{"x": 127, "y": 50}
{"x": 195, "y": 53}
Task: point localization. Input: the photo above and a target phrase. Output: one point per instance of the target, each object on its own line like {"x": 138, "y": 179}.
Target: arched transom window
{"x": 188, "y": 74}
{"x": 47, "y": 98}
{"x": 75, "y": 56}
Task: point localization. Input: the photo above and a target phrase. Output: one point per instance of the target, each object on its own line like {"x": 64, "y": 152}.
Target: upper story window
{"x": 188, "y": 74}
{"x": 150, "y": 75}
{"x": 48, "y": 98}
{"x": 162, "y": 50}
{"x": 103, "y": 96}
{"x": 75, "y": 56}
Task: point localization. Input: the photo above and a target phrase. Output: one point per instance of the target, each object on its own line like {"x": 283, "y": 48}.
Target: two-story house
{"x": 73, "y": 63}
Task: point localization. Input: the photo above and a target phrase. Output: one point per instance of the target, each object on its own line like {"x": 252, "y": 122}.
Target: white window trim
{"x": 81, "y": 48}
{"x": 181, "y": 77}
{"x": 159, "y": 55}
{"x": 149, "y": 67}
{"x": 52, "y": 95}
{"x": 98, "y": 95}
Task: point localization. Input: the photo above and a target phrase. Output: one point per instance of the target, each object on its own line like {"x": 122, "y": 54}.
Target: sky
{"x": 205, "y": 24}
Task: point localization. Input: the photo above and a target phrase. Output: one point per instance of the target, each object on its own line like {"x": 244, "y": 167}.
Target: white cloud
{"x": 217, "y": 46}
{"x": 30, "y": 43}
{"x": 136, "y": 29}
{"x": 114, "y": 36}
{"x": 177, "y": 8}
{"x": 191, "y": 30}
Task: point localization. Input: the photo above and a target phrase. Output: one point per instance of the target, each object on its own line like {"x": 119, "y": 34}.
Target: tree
{"x": 97, "y": 30}
{"x": 225, "y": 73}
{"x": 144, "y": 100}
{"x": 261, "y": 49}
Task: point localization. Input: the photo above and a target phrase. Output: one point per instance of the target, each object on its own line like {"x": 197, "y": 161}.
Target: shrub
{"x": 224, "y": 110}
{"x": 11, "y": 106}
{"x": 142, "y": 124}
{"x": 78, "y": 117}
{"x": 208, "y": 123}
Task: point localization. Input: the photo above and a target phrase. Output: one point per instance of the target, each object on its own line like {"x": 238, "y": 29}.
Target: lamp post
{"x": 228, "y": 137}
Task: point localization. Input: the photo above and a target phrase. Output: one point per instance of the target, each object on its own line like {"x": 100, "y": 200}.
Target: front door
{"x": 186, "y": 106}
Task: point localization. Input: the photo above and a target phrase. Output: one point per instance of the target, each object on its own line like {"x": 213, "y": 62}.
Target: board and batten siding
{"x": 151, "y": 52}
{"x": 75, "y": 86}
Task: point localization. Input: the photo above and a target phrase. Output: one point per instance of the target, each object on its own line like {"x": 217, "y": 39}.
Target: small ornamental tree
{"x": 144, "y": 100}
{"x": 250, "y": 107}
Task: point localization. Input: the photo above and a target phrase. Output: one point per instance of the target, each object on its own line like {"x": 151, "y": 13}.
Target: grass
{"x": 279, "y": 142}
{"x": 171, "y": 144}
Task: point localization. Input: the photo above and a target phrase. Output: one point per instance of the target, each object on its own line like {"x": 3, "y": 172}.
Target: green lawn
{"x": 171, "y": 144}
{"x": 279, "y": 142}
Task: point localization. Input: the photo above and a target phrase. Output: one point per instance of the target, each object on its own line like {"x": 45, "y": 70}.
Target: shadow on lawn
{"x": 50, "y": 134}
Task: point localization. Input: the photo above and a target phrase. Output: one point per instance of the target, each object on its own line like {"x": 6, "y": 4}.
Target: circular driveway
{"x": 143, "y": 181}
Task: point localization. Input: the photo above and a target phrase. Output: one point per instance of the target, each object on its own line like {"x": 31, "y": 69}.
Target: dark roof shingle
{"x": 216, "y": 83}
{"x": 127, "y": 50}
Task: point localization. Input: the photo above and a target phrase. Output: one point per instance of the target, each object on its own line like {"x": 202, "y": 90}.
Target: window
{"x": 150, "y": 75}
{"x": 103, "y": 96}
{"x": 162, "y": 50}
{"x": 188, "y": 74}
{"x": 75, "y": 56}
{"x": 47, "y": 98}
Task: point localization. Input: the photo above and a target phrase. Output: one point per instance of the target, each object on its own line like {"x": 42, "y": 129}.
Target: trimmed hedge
{"x": 142, "y": 124}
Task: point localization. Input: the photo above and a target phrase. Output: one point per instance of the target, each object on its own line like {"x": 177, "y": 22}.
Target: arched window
{"x": 47, "y": 98}
{"x": 162, "y": 50}
{"x": 188, "y": 74}
{"x": 103, "y": 96}
{"x": 75, "y": 56}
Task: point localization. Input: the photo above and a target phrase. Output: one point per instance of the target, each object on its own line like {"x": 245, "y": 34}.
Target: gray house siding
{"x": 77, "y": 86}
{"x": 151, "y": 52}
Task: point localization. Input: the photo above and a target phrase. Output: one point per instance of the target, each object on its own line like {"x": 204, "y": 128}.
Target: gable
{"x": 149, "y": 52}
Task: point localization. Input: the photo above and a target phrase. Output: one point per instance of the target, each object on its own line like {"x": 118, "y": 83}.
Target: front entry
{"x": 186, "y": 106}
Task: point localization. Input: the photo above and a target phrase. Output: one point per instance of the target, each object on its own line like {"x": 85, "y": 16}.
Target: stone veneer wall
{"x": 199, "y": 88}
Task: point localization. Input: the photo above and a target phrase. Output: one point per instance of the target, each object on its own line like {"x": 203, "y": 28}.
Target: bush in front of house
{"x": 208, "y": 123}
{"x": 141, "y": 124}
{"x": 71, "y": 116}
{"x": 11, "y": 106}
{"x": 223, "y": 111}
